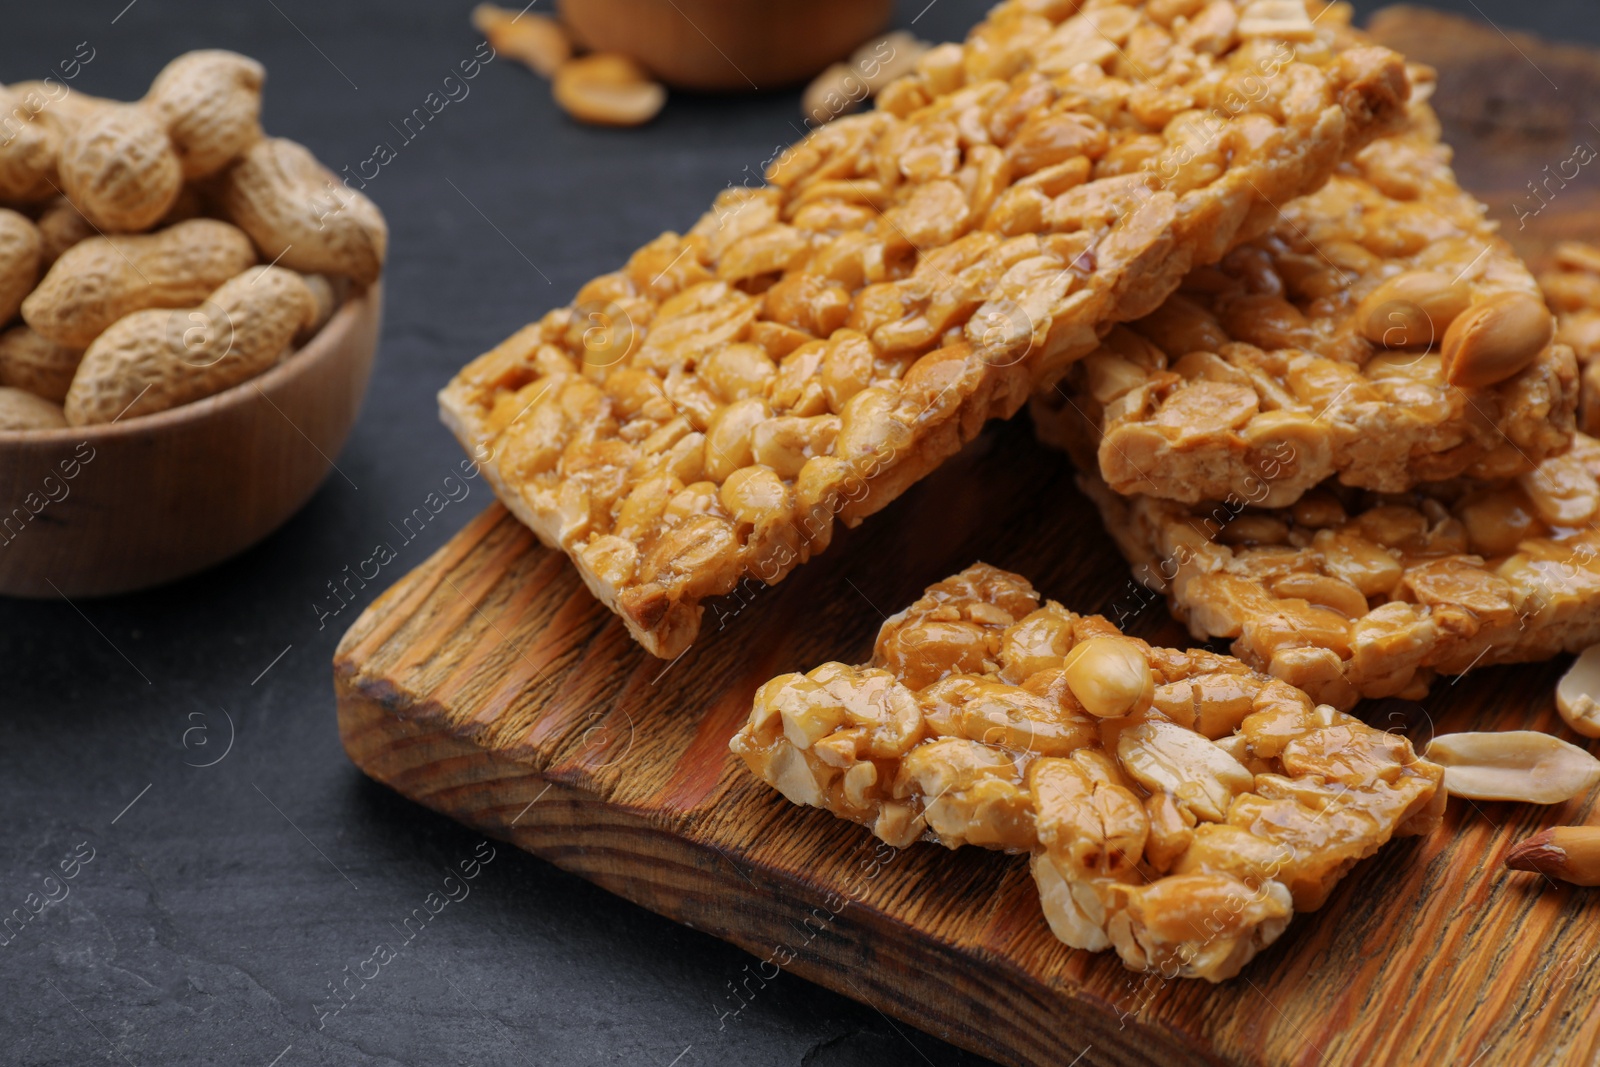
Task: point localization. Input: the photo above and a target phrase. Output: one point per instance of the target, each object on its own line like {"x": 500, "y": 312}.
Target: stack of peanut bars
{"x": 1321, "y": 405}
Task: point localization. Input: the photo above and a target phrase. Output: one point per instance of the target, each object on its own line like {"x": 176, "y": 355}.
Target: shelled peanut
{"x": 129, "y": 277}
{"x": 603, "y": 89}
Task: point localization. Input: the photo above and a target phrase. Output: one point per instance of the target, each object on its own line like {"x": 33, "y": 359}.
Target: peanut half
{"x": 1496, "y": 339}
{"x": 1523, "y": 765}
{"x": 157, "y": 359}
{"x": 536, "y": 41}
{"x": 1571, "y": 853}
{"x": 98, "y": 281}
{"x": 1575, "y": 693}
{"x": 1414, "y": 308}
{"x": 608, "y": 89}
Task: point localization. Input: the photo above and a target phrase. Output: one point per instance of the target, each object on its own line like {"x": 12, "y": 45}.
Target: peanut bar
{"x": 1351, "y": 594}
{"x": 1324, "y": 349}
{"x": 1178, "y": 806}
{"x": 811, "y": 348}
{"x": 1572, "y": 289}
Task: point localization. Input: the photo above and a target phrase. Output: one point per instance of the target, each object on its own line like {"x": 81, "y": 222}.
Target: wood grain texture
{"x": 489, "y": 685}
{"x": 161, "y": 496}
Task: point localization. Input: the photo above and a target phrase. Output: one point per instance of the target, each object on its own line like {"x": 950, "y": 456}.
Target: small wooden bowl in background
{"x": 169, "y": 494}
{"x": 722, "y": 45}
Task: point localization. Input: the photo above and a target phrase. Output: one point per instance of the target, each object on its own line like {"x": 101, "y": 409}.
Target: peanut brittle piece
{"x": 1572, "y": 289}
{"x": 1382, "y": 334}
{"x": 1349, "y": 594}
{"x": 811, "y": 348}
{"x": 1178, "y": 806}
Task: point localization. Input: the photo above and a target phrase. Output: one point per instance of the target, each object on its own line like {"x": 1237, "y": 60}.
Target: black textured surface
{"x": 219, "y": 906}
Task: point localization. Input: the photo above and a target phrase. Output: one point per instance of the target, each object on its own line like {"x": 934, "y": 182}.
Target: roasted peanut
{"x": 153, "y": 360}
{"x": 1520, "y": 765}
{"x": 21, "y": 410}
{"x": 210, "y": 104}
{"x": 120, "y": 170}
{"x": 299, "y": 216}
{"x": 1496, "y": 339}
{"x": 99, "y": 280}
{"x": 42, "y": 367}
{"x": 1110, "y": 676}
{"x": 1415, "y": 308}
{"x": 1575, "y": 693}
{"x": 1570, "y": 853}
{"x": 537, "y": 41}
{"x": 608, "y": 89}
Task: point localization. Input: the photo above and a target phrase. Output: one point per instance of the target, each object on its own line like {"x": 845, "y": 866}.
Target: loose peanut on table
{"x": 965, "y": 242}
{"x": 99, "y": 280}
{"x": 608, "y": 89}
{"x": 156, "y": 359}
{"x": 536, "y": 40}
{"x": 1575, "y": 693}
{"x": 1524, "y": 765}
{"x": 1178, "y": 806}
{"x": 1571, "y": 853}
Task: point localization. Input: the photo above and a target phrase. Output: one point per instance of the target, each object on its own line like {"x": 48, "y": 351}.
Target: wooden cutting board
{"x": 490, "y": 686}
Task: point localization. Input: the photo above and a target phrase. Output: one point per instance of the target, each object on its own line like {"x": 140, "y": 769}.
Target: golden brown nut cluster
{"x": 812, "y": 347}
{"x": 1349, "y": 594}
{"x": 1572, "y": 289}
{"x": 1178, "y": 806}
{"x": 1381, "y": 334}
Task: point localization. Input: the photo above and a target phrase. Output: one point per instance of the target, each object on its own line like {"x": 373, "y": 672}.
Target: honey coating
{"x": 1182, "y": 829}
{"x": 1350, "y": 594}
{"x": 812, "y": 347}
{"x": 1382, "y": 334}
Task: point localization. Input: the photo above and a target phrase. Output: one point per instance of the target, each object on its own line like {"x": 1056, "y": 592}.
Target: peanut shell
{"x": 153, "y": 360}
{"x": 98, "y": 281}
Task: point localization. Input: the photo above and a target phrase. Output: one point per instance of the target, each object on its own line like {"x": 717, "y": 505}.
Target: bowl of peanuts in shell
{"x": 189, "y": 310}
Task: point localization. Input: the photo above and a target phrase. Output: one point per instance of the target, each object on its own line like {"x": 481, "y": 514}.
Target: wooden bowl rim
{"x": 328, "y": 341}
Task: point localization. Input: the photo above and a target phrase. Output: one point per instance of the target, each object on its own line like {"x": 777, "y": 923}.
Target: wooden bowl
{"x": 94, "y": 510}
{"x": 739, "y": 45}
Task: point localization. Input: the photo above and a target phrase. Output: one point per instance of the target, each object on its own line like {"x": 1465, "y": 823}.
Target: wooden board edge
{"x": 995, "y": 1012}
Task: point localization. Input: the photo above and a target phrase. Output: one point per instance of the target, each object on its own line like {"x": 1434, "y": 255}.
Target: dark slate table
{"x": 211, "y": 906}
